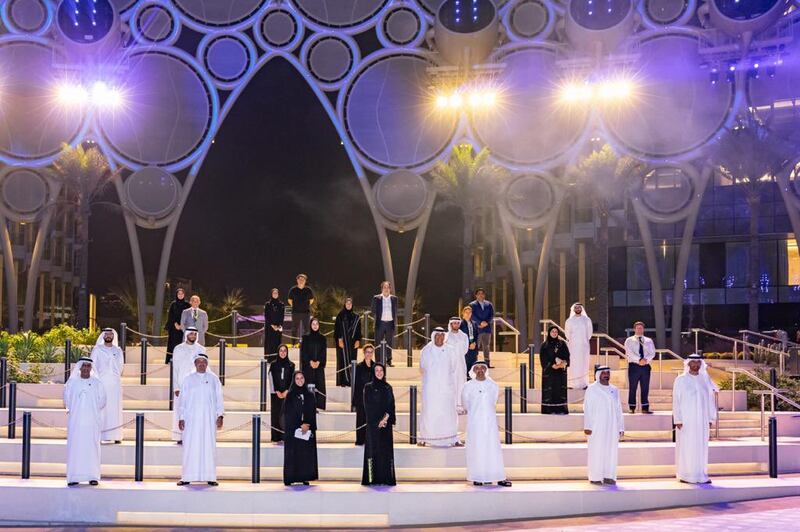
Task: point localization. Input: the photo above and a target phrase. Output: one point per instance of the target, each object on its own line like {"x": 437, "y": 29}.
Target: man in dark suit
{"x": 384, "y": 310}
{"x": 483, "y": 313}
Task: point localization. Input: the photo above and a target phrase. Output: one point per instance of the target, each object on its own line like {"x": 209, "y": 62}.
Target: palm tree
{"x": 84, "y": 172}
{"x": 232, "y": 300}
{"x": 472, "y": 183}
{"x": 752, "y": 154}
{"x": 601, "y": 175}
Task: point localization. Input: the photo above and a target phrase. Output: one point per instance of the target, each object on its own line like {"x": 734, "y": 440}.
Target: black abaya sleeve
{"x": 322, "y": 353}
{"x": 310, "y": 411}
{"x": 390, "y": 405}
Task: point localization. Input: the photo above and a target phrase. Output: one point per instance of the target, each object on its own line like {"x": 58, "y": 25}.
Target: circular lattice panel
{"x": 152, "y": 193}
{"x": 401, "y": 195}
{"x": 388, "y": 112}
{"x": 27, "y": 16}
{"x": 167, "y": 115}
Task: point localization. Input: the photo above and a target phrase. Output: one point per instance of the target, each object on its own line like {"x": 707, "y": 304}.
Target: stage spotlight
{"x": 771, "y": 71}
{"x": 714, "y": 76}
{"x": 730, "y": 75}
{"x": 442, "y": 101}
{"x": 455, "y": 101}
{"x": 105, "y": 96}
{"x": 615, "y": 89}
{"x": 71, "y": 94}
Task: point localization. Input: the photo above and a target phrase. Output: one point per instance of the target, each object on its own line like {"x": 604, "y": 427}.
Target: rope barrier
{"x": 248, "y": 318}
{"x": 258, "y": 331}
{"x": 423, "y": 439}
{"x": 145, "y": 335}
{"x": 220, "y": 319}
{"x": 17, "y": 421}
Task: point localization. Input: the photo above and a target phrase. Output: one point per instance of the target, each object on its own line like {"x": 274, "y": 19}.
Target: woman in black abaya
{"x": 299, "y": 455}
{"x": 273, "y": 324}
{"x": 347, "y": 337}
{"x": 313, "y": 359}
{"x": 281, "y": 371}
{"x": 380, "y": 414}
{"x": 554, "y": 356}
{"x": 363, "y": 377}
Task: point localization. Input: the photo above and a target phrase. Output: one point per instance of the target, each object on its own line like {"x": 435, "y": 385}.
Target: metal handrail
{"x": 774, "y": 392}
{"x": 736, "y": 342}
{"x": 774, "y": 339}
{"x": 514, "y": 331}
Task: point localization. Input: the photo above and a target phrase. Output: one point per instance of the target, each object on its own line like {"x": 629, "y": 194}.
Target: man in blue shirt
{"x": 483, "y": 314}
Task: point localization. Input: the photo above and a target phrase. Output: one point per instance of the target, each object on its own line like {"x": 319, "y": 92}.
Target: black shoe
{"x": 72, "y": 483}
{"x": 596, "y": 482}
{"x": 180, "y": 442}
{"x": 646, "y": 411}
{"x": 477, "y": 483}
{"x": 390, "y": 364}
{"x": 706, "y": 482}
{"x": 93, "y": 483}
{"x": 633, "y": 410}
{"x": 610, "y": 481}
{"x": 182, "y": 483}
{"x": 683, "y": 481}
{"x": 504, "y": 483}
{"x": 212, "y": 483}
{"x": 306, "y": 484}
{"x": 488, "y": 365}
{"x": 117, "y": 442}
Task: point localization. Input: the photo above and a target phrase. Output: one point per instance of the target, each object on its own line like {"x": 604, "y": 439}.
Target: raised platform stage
{"x": 547, "y": 460}
{"x": 352, "y": 505}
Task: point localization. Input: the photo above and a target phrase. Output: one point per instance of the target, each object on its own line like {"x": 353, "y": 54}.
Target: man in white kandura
{"x": 108, "y": 367}
{"x": 439, "y": 418}
{"x": 603, "y": 424}
{"x": 484, "y": 455}
{"x": 694, "y": 410}
{"x": 182, "y": 365}
{"x": 578, "y": 329}
{"x": 84, "y": 399}
{"x": 460, "y": 343}
{"x": 201, "y": 413}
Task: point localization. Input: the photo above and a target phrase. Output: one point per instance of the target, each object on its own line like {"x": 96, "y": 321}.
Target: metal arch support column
{"x": 790, "y": 202}
{"x": 652, "y": 269}
{"x": 136, "y": 256}
{"x": 519, "y": 288}
{"x": 36, "y": 261}
{"x": 10, "y": 271}
{"x": 416, "y": 255}
{"x": 541, "y": 274}
{"x": 683, "y": 259}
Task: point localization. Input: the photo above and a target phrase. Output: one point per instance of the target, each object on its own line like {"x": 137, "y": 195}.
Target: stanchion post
{"x": 222, "y": 361}
{"x": 12, "y": 410}
{"x": 3, "y": 380}
{"x": 412, "y": 414}
{"x": 509, "y": 415}
{"x": 138, "y": 468}
{"x": 255, "y": 462}
{"x": 67, "y": 358}
{"x": 531, "y": 366}
{"x": 383, "y": 352}
{"x": 773, "y": 447}
{"x": 674, "y": 430}
{"x": 773, "y": 377}
{"x": 262, "y": 406}
{"x": 143, "y": 363}
{"x": 364, "y": 327}
{"x": 427, "y": 325}
{"x": 523, "y": 388}
{"x": 26, "y": 445}
{"x": 234, "y": 327}
{"x": 123, "y": 336}
{"x": 353, "y": 371}
{"x": 171, "y": 388}
{"x": 409, "y": 347}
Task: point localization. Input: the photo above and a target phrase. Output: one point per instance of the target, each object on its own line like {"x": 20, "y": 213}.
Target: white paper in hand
{"x": 300, "y": 436}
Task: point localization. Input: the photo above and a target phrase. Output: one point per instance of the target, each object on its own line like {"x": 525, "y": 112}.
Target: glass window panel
{"x": 620, "y": 298}
{"x": 768, "y": 295}
{"x": 789, "y": 263}
{"x": 736, "y": 296}
{"x": 789, "y": 294}
{"x": 736, "y": 256}
{"x": 639, "y": 298}
{"x": 638, "y": 279}
{"x": 712, "y": 296}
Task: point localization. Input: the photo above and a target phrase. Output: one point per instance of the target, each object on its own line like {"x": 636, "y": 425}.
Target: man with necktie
{"x": 640, "y": 351}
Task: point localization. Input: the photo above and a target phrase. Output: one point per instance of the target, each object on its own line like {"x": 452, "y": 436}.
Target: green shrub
{"x": 744, "y": 382}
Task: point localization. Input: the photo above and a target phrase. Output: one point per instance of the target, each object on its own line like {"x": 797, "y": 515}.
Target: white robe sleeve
{"x": 677, "y": 389}
{"x": 186, "y": 390}
{"x": 588, "y": 410}
{"x": 119, "y": 363}
{"x": 68, "y": 396}
{"x": 218, "y": 399}
{"x": 101, "y": 395}
{"x": 620, "y": 417}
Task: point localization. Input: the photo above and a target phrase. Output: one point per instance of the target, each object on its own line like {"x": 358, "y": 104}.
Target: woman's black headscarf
{"x": 379, "y": 383}
{"x": 283, "y": 362}
{"x": 550, "y": 340}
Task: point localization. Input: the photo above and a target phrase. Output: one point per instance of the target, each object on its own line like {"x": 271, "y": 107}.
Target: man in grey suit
{"x": 195, "y": 317}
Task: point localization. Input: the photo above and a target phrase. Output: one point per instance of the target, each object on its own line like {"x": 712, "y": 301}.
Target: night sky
{"x": 277, "y": 195}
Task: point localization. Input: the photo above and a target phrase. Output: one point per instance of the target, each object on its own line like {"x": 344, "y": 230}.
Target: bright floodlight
{"x": 576, "y": 92}
{"x": 615, "y": 89}
{"x": 442, "y": 101}
{"x": 105, "y": 96}
{"x": 71, "y": 94}
{"x": 456, "y": 100}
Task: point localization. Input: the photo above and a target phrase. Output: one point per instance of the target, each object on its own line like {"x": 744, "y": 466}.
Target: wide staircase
{"x": 544, "y": 446}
